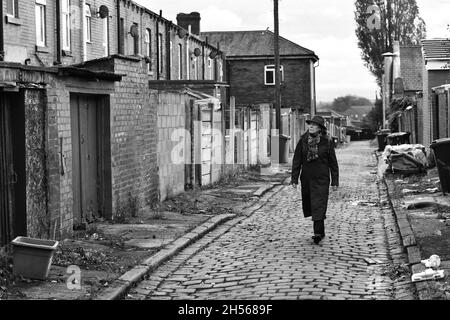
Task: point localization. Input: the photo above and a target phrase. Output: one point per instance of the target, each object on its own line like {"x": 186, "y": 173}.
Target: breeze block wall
{"x": 172, "y": 137}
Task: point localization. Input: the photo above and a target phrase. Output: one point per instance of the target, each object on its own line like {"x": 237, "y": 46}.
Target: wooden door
{"x": 12, "y": 168}
{"x": 85, "y": 152}
{"x": 6, "y": 176}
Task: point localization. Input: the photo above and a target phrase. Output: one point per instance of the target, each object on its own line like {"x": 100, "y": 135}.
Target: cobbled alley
{"x": 270, "y": 255}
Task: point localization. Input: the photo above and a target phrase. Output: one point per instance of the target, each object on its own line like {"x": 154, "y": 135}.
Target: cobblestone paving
{"x": 270, "y": 254}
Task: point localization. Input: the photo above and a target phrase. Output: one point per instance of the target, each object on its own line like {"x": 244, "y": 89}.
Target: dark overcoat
{"x": 315, "y": 176}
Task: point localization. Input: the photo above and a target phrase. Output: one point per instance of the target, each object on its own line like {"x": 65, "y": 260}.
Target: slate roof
{"x": 436, "y": 49}
{"x": 254, "y": 43}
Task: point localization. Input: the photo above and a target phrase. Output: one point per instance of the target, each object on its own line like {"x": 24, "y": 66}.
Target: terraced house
{"x": 80, "y": 131}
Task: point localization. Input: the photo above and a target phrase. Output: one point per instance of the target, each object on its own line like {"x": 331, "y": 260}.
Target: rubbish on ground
{"x": 428, "y": 274}
{"x": 432, "y": 190}
{"x": 432, "y": 262}
{"x": 400, "y": 181}
{"x": 438, "y": 233}
{"x": 364, "y": 203}
{"x": 420, "y": 203}
{"x": 406, "y": 191}
{"x": 405, "y": 159}
{"x": 370, "y": 261}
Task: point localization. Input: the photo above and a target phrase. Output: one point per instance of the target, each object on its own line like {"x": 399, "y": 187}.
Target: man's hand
{"x": 294, "y": 185}
{"x": 334, "y": 188}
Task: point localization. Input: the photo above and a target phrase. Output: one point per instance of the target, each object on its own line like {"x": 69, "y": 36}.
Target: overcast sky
{"x": 325, "y": 26}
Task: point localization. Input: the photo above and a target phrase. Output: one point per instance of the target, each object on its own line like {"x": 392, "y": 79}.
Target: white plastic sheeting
{"x": 407, "y": 158}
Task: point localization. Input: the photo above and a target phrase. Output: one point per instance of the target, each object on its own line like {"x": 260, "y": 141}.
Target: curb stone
{"x": 122, "y": 285}
{"x": 409, "y": 242}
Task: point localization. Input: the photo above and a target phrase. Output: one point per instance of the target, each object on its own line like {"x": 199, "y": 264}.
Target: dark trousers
{"x": 319, "y": 227}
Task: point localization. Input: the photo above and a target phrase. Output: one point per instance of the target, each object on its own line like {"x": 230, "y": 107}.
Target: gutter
{"x": 2, "y": 40}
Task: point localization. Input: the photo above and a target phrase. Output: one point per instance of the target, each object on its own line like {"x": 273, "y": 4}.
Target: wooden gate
{"x": 90, "y": 145}
{"x": 12, "y": 168}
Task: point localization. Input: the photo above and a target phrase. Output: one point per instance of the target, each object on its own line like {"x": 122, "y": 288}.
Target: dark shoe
{"x": 317, "y": 239}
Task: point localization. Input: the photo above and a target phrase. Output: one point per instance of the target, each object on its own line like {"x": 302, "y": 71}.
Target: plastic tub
{"x": 33, "y": 257}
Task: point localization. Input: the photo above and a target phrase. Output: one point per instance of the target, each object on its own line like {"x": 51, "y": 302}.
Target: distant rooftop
{"x": 254, "y": 43}
{"x": 436, "y": 49}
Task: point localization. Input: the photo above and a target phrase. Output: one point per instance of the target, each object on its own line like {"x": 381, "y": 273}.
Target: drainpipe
{"x": 83, "y": 30}
{"x": 58, "y": 32}
{"x": 158, "y": 75}
{"x": 119, "y": 31}
{"x": 2, "y": 44}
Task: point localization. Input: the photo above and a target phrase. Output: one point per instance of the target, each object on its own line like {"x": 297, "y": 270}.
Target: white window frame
{"x": 14, "y": 7}
{"x": 87, "y": 23}
{"x": 147, "y": 42}
{"x": 148, "y": 47}
{"x": 271, "y": 68}
{"x": 41, "y": 25}
{"x": 195, "y": 62}
{"x": 220, "y": 71}
{"x": 106, "y": 36}
{"x": 210, "y": 68}
{"x": 66, "y": 29}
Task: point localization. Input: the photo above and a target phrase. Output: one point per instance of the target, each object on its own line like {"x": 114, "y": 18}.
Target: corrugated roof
{"x": 436, "y": 49}
{"x": 254, "y": 43}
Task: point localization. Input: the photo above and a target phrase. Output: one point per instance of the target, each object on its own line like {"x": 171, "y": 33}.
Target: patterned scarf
{"x": 313, "y": 147}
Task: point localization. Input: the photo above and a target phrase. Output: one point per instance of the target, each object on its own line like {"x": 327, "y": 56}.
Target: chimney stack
{"x": 192, "y": 19}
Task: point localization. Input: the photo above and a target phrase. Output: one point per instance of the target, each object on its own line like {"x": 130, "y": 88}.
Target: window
{"x": 65, "y": 18}
{"x": 210, "y": 69}
{"x": 220, "y": 71}
{"x": 148, "y": 47}
{"x": 269, "y": 74}
{"x": 122, "y": 36}
{"x": 41, "y": 27}
{"x": 87, "y": 23}
{"x": 171, "y": 55}
{"x": 136, "y": 41}
{"x": 106, "y": 36}
{"x": 180, "y": 61}
{"x": 195, "y": 65}
{"x": 160, "y": 53}
{"x": 12, "y": 8}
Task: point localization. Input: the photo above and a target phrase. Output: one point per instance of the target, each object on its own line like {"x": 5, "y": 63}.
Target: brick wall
{"x": 247, "y": 83}
{"x": 20, "y": 37}
{"x": 59, "y": 135}
{"x": 411, "y": 67}
{"x": 133, "y": 138}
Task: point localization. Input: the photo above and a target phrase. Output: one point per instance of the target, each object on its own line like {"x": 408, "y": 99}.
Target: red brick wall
{"x": 247, "y": 83}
